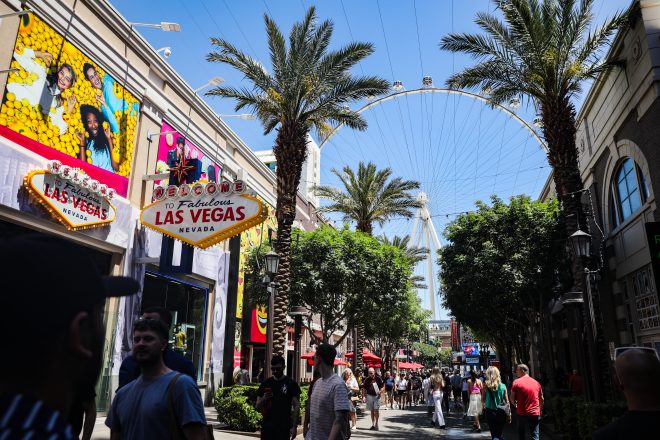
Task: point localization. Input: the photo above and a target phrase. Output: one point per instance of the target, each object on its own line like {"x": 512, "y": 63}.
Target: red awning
{"x": 310, "y": 361}
{"x": 367, "y": 356}
{"x": 410, "y": 365}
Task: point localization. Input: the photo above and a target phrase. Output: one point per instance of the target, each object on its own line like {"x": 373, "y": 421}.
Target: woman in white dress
{"x": 475, "y": 409}
{"x": 437, "y": 384}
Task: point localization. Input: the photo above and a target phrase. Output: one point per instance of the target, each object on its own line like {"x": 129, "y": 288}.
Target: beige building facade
{"x": 619, "y": 152}
{"x": 151, "y": 96}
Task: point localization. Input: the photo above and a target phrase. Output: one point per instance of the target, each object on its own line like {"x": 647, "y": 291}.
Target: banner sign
{"x": 471, "y": 349}
{"x": 259, "y": 324}
{"x": 64, "y": 106}
{"x": 173, "y": 147}
{"x": 251, "y": 239}
{"x": 71, "y": 196}
{"x": 203, "y": 215}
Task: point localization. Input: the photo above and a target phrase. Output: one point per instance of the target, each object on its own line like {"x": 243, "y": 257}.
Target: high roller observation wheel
{"x": 424, "y": 217}
{"x": 483, "y": 99}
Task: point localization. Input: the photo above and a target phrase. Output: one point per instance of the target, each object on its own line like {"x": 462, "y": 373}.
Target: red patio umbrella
{"x": 337, "y": 362}
{"x": 367, "y": 356}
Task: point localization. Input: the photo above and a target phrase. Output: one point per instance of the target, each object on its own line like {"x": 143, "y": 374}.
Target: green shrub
{"x": 576, "y": 419}
{"x": 236, "y": 407}
{"x": 304, "y": 395}
{"x": 593, "y": 416}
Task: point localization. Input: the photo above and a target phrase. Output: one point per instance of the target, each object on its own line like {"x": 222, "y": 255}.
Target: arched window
{"x": 629, "y": 191}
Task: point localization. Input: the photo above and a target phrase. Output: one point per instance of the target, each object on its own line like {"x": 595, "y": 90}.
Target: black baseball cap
{"x": 48, "y": 279}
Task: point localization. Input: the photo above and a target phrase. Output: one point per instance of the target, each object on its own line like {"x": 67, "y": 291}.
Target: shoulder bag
{"x": 502, "y": 410}
{"x": 175, "y": 429}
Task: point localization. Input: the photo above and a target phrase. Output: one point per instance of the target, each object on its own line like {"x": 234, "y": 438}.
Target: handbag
{"x": 502, "y": 410}
{"x": 175, "y": 429}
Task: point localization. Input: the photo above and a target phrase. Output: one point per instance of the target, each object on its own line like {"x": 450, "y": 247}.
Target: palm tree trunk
{"x": 559, "y": 131}
{"x": 290, "y": 150}
{"x": 359, "y": 347}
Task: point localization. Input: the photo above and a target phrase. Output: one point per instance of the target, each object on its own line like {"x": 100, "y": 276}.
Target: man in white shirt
{"x": 329, "y": 404}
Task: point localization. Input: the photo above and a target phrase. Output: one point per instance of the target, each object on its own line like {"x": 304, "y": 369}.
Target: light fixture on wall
{"x": 212, "y": 82}
{"x": 165, "y": 26}
{"x": 246, "y": 116}
{"x": 15, "y": 13}
{"x": 167, "y": 51}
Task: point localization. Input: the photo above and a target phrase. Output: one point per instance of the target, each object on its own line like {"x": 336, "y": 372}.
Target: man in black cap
{"x": 52, "y": 307}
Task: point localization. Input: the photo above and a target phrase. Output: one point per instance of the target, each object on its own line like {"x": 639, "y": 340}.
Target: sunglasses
{"x": 649, "y": 350}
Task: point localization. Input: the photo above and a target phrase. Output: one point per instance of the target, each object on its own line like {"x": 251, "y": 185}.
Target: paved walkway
{"x": 413, "y": 423}
{"x": 394, "y": 424}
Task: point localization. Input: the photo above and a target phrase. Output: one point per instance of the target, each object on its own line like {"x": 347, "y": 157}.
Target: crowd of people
{"x": 46, "y": 392}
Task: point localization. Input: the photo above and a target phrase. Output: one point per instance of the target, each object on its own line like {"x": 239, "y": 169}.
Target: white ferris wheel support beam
{"x": 483, "y": 99}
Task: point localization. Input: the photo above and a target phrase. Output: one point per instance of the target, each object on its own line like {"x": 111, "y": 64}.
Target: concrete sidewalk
{"x": 394, "y": 424}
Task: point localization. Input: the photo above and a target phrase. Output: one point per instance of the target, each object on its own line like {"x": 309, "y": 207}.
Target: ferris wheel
{"x": 459, "y": 145}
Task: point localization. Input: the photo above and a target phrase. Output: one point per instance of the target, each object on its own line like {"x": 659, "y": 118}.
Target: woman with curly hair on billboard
{"x": 98, "y": 142}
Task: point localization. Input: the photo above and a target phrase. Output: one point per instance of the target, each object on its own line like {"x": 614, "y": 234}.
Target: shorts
{"x": 389, "y": 393}
{"x": 373, "y": 402}
{"x": 401, "y": 392}
{"x": 457, "y": 393}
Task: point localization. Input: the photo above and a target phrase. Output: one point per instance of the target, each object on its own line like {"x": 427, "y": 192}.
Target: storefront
{"x": 187, "y": 302}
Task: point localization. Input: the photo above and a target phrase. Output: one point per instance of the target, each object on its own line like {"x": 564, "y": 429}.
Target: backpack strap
{"x": 175, "y": 429}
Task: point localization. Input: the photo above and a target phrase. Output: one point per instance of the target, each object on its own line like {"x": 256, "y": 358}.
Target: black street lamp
{"x": 581, "y": 244}
{"x": 297, "y": 313}
{"x": 272, "y": 262}
{"x": 484, "y": 352}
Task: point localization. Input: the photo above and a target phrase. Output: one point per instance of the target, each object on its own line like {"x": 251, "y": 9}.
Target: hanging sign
{"x": 71, "y": 196}
{"x": 203, "y": 214}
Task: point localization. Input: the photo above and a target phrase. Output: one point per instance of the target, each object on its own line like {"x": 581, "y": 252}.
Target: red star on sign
{"x": 181, "y": 170}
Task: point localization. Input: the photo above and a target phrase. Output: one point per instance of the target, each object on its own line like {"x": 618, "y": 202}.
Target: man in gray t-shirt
{"x": 141, "y": 409}
{"x": 329, "y": 405}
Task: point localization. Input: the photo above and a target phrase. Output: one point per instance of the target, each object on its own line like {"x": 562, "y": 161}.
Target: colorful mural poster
{"x": 259, "y": 324}
{"x": 65, "y": 106}
{"x": 251, "y": 239}
{"x": 172, "y": 146}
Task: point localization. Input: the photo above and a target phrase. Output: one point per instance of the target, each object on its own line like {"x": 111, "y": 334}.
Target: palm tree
{"x": 542, "y": 51}
{"x": 368, "y": 197}
{"x": 308, "y": 87}
{"x": 413, "y": 253}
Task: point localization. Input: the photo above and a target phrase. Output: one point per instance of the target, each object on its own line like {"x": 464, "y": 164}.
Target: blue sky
{"x": 458, "y": 148}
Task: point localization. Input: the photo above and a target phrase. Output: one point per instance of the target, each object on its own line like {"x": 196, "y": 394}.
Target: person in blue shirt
{"x": 160, "y": 402}
{"x": 107, "y": 99}
{"x": 130, "y": 370}
{"x": 98, "y": 141}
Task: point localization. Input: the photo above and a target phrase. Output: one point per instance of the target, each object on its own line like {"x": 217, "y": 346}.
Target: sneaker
{"x": 373, "y": 427}
{"x": 443, "y": 427}
{"x": 353, "y": 428}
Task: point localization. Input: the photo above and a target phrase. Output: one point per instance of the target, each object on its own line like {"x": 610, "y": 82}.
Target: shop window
{"x": 628, "y": 193}
{"x": 645, "y": 299}
{"x": 187, "y": 305}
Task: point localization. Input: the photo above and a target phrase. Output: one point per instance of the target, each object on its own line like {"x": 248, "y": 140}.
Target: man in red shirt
{"x": 527, "y": 398}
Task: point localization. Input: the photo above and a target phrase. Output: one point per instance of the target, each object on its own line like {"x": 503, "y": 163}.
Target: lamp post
{"x": 581, "y": 246}
{"x": 484, "y": 351}
{"x": 272, "y": 262}
{"x": 297, "y": 313}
